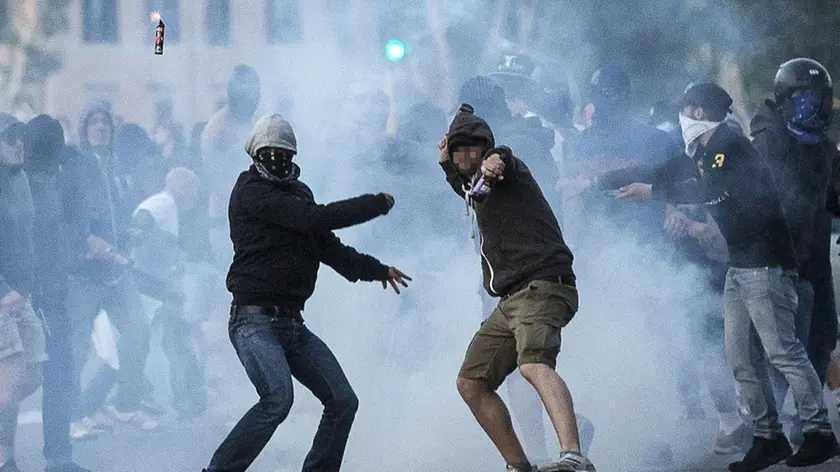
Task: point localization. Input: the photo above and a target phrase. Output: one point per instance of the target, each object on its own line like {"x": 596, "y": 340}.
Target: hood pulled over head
{"x": 467, "y": 129}
{"x": 271, "y": 145}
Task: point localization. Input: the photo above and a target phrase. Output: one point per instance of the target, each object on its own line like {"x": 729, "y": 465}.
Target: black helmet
{"x": 610, "y": 81}
{"x": 804, "y": 94}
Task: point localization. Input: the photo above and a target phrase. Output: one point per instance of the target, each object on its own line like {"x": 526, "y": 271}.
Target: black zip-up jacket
{"x": 735, "y": 183}
{"x": 801, "y": 172}
{"x": 280, "y": 236}
{"x": 521, "y": 240}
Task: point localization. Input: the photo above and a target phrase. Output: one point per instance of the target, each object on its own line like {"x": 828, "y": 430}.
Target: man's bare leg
{"x": 493, "y": 416}
{"x": 558, "y": 403}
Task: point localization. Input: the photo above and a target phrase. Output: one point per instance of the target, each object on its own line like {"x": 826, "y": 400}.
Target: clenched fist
{"x": 493, "y": 168}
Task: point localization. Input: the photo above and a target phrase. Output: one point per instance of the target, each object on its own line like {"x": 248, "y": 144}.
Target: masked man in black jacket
{"x": 526, "y": 262}
{"x": 280, "y": 237}
{"x": 760, "y": 295}
{"x": 790, "y": 132}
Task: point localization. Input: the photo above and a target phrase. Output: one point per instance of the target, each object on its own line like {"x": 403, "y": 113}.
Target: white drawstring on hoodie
{"x": 692, "y": 130}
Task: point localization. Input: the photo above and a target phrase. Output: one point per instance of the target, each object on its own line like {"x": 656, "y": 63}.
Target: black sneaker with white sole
{"x": 816, "y": 448}
{"x": 763, "y": 453}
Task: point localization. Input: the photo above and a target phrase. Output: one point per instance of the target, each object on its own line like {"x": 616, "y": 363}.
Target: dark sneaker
{"x": 763, "y": 453}
{"x": 816, "y": 449}
{"x": 733, "y": 443}
{"x": 66, "y": 467}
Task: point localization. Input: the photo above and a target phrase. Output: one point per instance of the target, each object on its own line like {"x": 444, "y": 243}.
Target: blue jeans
{"x": 273, "y": 349}
{"x": 760, "y": 306}
{"x": 802, "y": 326}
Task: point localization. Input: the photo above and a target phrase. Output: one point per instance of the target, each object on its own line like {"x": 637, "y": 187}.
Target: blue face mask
{"x": 806, "y": 117}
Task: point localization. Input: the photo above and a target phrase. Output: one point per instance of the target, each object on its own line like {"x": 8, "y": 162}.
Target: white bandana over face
{"x": 692, "y": 129}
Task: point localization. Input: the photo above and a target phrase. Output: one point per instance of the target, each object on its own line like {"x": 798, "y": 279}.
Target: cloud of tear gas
{"x": 622, "y": 354}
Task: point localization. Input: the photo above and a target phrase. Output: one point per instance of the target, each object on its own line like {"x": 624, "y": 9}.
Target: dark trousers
{"x": 822, "y": 338}
{"x": 122, "y": 303}
{"x": 59, "y": 378}
{"x": 273, "y": 349}
{"x": 186, "y": 373}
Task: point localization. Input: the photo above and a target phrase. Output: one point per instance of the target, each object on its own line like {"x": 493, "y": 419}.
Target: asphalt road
{"x": 187, "y": 448}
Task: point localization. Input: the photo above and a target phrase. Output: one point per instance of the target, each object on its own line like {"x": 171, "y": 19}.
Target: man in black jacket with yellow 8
{"x": 280, "y": 237}
{"x": 524, "y": 261}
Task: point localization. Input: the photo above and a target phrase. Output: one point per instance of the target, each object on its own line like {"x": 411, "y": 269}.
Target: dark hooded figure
{"x": 100, "y": 279}
{"x": 53, "y": 197}
{"x": 525, "y": 262}
{"x": 280, "y": 238}
{"x": 140, "y": 167}
{"x": 790, "y": 132}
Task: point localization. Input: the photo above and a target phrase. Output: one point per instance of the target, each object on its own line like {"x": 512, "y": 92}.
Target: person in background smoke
{"x": 760, "y": 296}
{"x": 220, "y": 154}
{"x": 790, "y": 133}
{"x": 533, "y": 143}
{"x": 524, "y": 261}
{"x": 140, "y": 168}
{"x": 100, "y": 279}
{"x": 53, "y": 199}
{"x": 22, "y": 340}
{"x": 158, "y": 256}
{"x": 280, "y": 237}
{"x": 170, "y": 139}
{"x": 698, "y": 242}
{"x": 406, "y": 160}
{"x": 615, "y": 141}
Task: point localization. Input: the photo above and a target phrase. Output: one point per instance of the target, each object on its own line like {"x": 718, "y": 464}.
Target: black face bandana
{"x": 275, "y": 163}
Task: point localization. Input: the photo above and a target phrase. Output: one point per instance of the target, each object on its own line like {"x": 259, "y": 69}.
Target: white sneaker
{"x": 137, "y": 419}
{"x": 511, "y": 468}
{"x": 85, "y": 428}
{"x": 570, "y": 462}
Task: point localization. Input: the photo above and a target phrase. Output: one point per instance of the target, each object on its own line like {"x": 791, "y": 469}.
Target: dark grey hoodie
{"x": 17, "y": 216}
{"x": 99, "y": 199}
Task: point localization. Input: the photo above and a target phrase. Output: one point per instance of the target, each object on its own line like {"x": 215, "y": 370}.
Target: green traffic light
{"x": 394, "y": 50}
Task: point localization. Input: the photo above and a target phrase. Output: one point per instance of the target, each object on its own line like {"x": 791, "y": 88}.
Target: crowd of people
{"x": 121, "y": 231}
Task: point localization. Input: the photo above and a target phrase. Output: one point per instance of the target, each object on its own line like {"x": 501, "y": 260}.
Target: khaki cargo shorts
{"x": 523, "y": 329}
{"x": 22, "y": 333}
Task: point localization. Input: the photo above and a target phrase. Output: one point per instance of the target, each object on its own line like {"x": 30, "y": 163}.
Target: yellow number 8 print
{"x": 718, "y": 161}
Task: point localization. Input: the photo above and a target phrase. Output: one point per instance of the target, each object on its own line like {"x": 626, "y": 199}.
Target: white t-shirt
{"x": 164, "y": 210}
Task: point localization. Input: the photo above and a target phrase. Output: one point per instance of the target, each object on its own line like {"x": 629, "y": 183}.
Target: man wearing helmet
{"x": 790, "y": 132}
{"x": 760, "y": 297}
{"x": 280, "y": 237}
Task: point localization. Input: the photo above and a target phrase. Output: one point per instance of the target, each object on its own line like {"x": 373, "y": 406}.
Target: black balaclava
{"x": 43, "y": 142}
{"x": 243, "y": 93}
{"x": 610, "y": 94}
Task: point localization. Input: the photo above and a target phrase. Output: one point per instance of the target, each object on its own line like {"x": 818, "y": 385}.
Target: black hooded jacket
{"x": 521, "y": 240}
{"x": 734, "y": 182}
{"x": 801, "y": 172}
{"x": 280, "y": 237}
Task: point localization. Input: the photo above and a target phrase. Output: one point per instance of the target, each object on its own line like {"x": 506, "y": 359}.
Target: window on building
{"x": 5, "y": 19}
{"x": 100, "y": 21}
{"x": 282, "y": 21}
{"x": 170, "y": 13}
{"x": 217, "y": 20}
